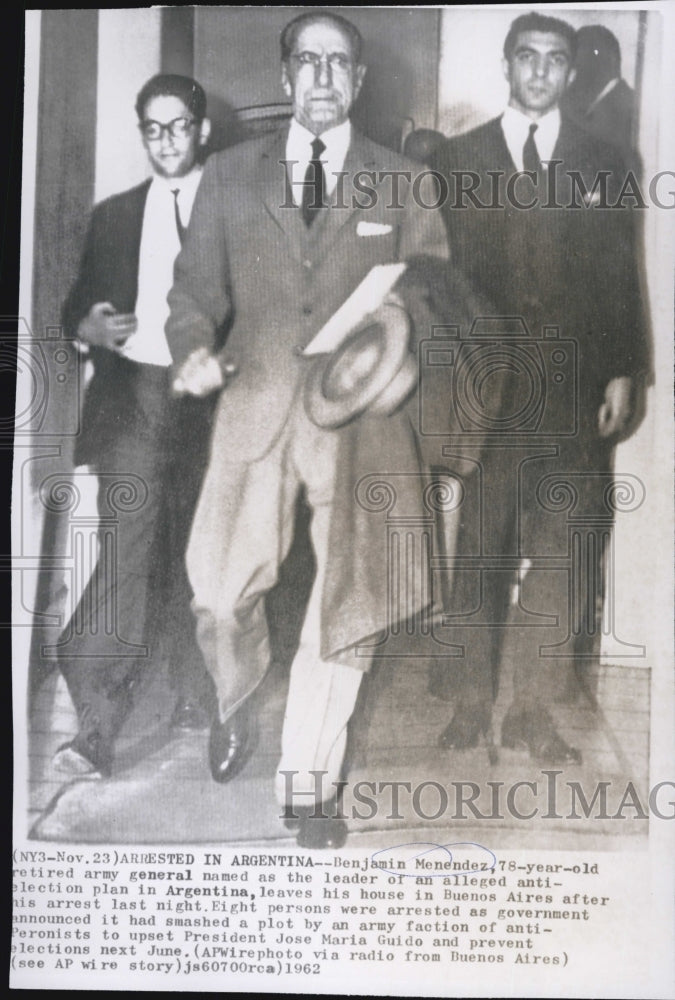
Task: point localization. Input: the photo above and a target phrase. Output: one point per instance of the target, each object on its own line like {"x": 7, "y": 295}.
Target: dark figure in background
{"x": 570, "y": 269}
{"x": 148, "y": 448}
{"x": 598, "y": 98}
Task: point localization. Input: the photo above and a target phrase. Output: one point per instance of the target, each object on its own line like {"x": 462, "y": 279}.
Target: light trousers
{"x": 242, "y": 532}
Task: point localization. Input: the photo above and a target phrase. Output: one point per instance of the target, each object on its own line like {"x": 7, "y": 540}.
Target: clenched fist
{"x": 202, "y": 373}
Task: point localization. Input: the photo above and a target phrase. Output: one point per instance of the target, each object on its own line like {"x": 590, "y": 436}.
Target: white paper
{"x": 365, "y": 298}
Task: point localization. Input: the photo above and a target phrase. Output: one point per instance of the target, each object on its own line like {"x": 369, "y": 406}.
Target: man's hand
{"x": 104, "y": 327}
{"x": 202, "y": 373}
{"x": 617, "y": 408}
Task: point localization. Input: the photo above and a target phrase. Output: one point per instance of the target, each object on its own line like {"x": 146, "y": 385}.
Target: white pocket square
{"x": 364, "y": 228}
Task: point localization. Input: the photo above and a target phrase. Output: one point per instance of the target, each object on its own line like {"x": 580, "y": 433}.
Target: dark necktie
{"x": 531, "y": 159}
{"x": 313, "y": 190}
{"x": 179, "y": 225}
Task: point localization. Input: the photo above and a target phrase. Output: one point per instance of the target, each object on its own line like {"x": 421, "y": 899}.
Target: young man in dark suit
{"x": 280, "y": 238}
{"x": 147, "y": 448}
{"x": 567, "y": 273}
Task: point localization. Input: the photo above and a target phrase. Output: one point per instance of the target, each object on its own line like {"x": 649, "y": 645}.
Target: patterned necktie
{"x": 315, "y": 182}
{"x": 531, "y": 159}
{"x": 179, "y": 225}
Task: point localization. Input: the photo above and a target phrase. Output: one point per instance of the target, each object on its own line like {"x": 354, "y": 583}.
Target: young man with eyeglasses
{"x": 147, "y": 447}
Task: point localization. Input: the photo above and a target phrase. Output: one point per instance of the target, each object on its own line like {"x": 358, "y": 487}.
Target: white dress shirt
{"x": 159, "y": 248}
{"x": 299, "y": 149}
{"x": 516, "y": 128}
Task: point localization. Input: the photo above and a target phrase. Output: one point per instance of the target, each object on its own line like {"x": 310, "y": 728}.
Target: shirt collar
{"x": 188, "y": 183}
{"x": 516, "y": 126}
{"x": 515, "y": 119}
{"x": 335, "y": 138}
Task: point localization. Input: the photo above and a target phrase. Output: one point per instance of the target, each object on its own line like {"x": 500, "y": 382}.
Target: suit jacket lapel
{"x": 570, "y": 147}
{"x": 562, "y": 143}
{"x": 501, "y": 149}
{"x": 131, "y": 230}
{"x": 278, "y": 202}
{"x": 276, "y": 193}
{"x": 360, "y": 156}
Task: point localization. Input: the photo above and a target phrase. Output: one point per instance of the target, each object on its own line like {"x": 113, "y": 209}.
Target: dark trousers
{"x": 135, "y": 610}
{"x": 528, "y": 564}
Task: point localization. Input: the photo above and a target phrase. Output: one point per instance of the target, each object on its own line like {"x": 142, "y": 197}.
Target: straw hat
{"x": 372, "y": 370}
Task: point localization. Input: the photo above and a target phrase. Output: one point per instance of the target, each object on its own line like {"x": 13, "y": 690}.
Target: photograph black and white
{"x": 342, "y": 519}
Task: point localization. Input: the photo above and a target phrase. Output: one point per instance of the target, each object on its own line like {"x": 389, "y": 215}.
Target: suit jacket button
{"x": 307, "y": 264}
{"x": 307, "y": 310}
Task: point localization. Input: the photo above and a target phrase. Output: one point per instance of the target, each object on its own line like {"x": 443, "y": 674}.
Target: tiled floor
{"x": 161, "y": 790}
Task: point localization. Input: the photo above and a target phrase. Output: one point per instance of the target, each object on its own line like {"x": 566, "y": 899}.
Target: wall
{"x": 128, "y": 55}
{"x": 642, "y": 539}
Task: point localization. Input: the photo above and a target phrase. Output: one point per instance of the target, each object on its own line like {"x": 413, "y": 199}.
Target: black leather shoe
{"x": 291, "y": 817}
{"x": 229, "y": 746}
{"x": 534, "y": 730}
{"x": 466, "y": 727}
{"x": 89, "y": 755}
{"x": 189, "y": 714}
{"x": 317, "y": 831}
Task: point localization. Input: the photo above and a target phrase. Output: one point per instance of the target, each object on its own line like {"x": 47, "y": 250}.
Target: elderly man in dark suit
{"x": 279, "y": 238}
{"x": 150, "y": 446}
{"x": 569, "y": 274}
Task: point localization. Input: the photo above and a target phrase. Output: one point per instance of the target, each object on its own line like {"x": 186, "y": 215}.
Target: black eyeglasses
{"x": 179, "y": 128}
{"x": 336, "y": 60}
